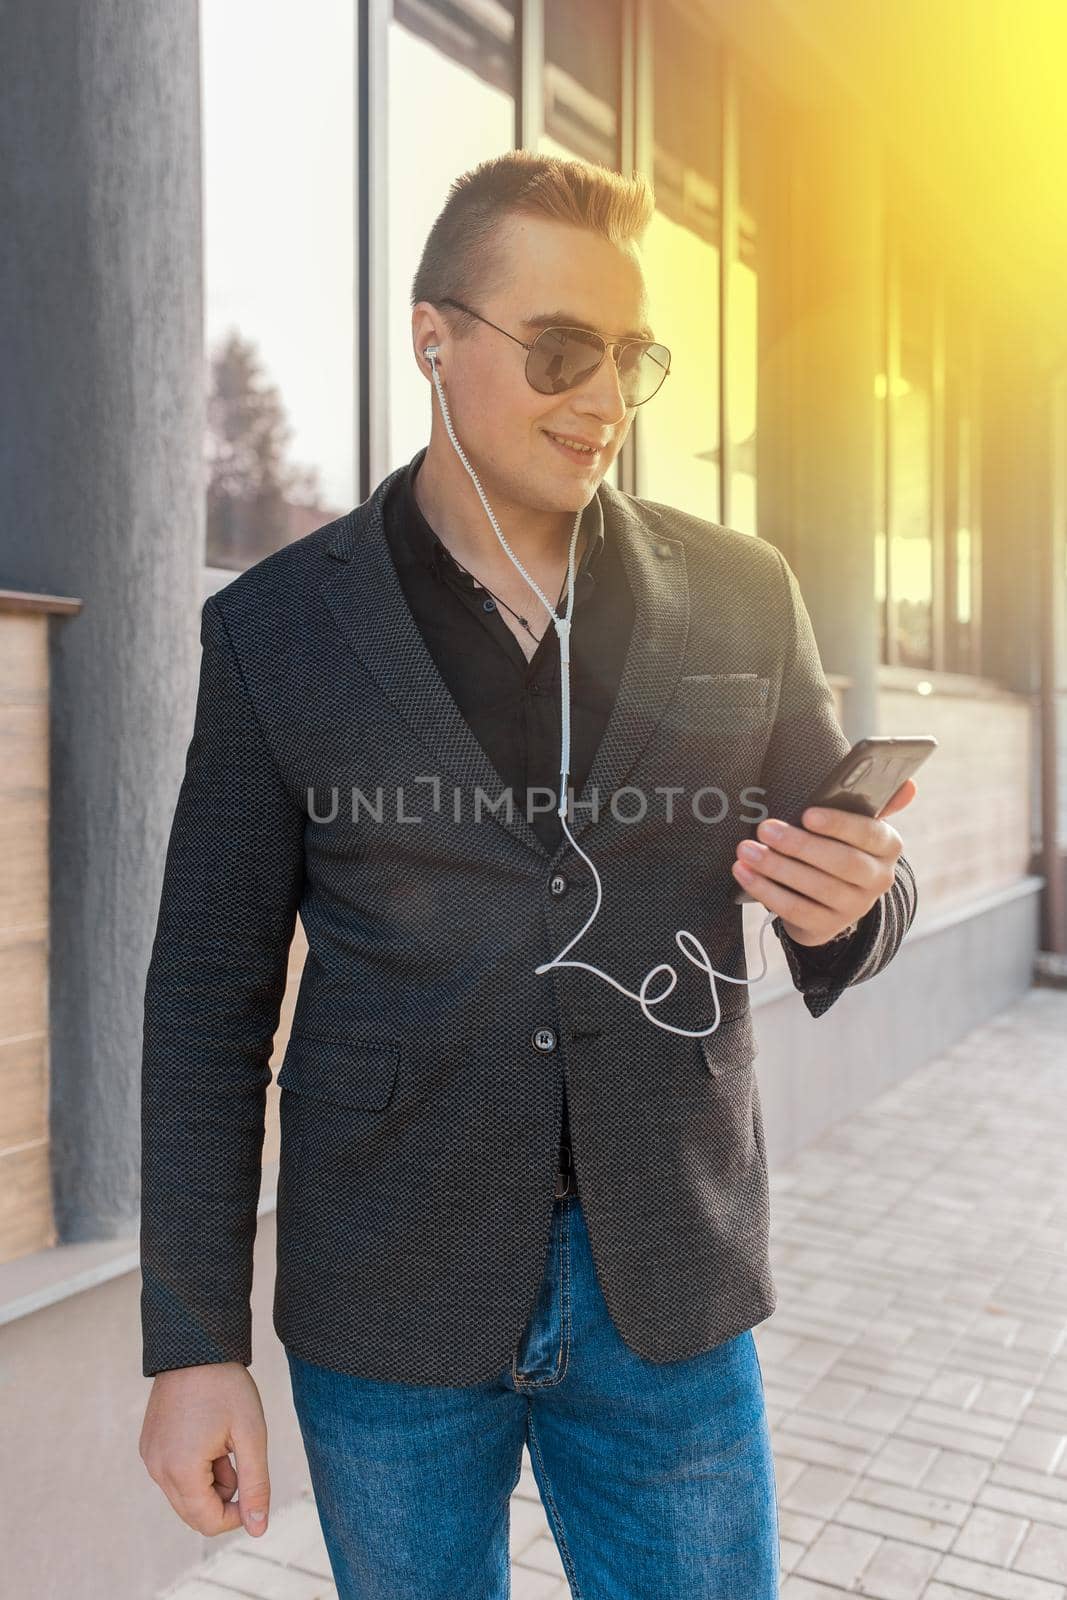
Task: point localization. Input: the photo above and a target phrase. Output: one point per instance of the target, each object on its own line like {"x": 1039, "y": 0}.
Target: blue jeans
{"x": 657, "y": 1478}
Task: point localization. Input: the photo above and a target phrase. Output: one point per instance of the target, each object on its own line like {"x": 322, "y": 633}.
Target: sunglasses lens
{"x": 642, "y": 368}
{"x": 563, "y": 358}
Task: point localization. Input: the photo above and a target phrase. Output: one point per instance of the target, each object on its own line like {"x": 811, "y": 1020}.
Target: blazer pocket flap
{"x": 730, "y": 1046}
{"x": 349, "y": 1072}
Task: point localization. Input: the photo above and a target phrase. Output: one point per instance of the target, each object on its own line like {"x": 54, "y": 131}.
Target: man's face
{"x": 504, "y": 424}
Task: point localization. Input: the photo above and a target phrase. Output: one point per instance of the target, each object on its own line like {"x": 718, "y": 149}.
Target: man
{"x": 442, "y": 1297}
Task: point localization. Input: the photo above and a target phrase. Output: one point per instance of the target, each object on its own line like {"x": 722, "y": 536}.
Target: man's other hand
{"x": 195, "y": 1416}
{"x": 827, "y": 874}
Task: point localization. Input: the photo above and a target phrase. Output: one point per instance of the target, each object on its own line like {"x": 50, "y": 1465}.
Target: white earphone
{"x": 562, "y": 626}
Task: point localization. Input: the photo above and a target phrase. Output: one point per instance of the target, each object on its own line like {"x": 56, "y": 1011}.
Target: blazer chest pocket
{"x": 349, "y": 1072}
{"x": 719, "y": 702}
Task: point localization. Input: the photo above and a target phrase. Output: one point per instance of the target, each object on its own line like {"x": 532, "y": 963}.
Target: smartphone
{"x": 866, "y": 778}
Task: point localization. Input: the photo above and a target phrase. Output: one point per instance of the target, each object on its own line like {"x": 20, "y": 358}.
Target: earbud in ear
{"x": 430, "y": 350}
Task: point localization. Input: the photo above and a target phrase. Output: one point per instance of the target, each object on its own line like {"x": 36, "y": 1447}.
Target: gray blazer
{"x": 421, "y": 1088}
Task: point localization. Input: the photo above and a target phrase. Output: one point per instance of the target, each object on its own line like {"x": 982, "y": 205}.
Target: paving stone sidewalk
{"x": 916, "y": 1366}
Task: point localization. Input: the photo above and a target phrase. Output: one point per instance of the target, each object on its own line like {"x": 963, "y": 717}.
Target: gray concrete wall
{"x": 102, "y": 497}
{"x": 82, "y": 1520}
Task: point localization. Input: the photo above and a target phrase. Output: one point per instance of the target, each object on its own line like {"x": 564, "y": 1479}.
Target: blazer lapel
{"x": 655, "y": 566}
{"x": 366, "y": 600}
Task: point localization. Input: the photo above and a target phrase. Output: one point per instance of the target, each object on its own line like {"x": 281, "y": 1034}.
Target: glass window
{"x": 964, "y": 548}
{"x": 911, "y": 565}
{"x": 278, "y": 109}
{"x": 742, "y": 371}
{"x": 582, "y": 83}
{"x": 961, "y": 523}
{"x": 450, "y": 104}
{"x": 582, "y": 80}
{"x": 678, "y": 440}
{"x": 881, "y": 570}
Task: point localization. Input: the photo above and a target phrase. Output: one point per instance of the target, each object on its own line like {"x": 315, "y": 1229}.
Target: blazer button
{"x": 663, "y": 549}
{"x": 557, "y": 883}
{"x": 544, "y": 1039}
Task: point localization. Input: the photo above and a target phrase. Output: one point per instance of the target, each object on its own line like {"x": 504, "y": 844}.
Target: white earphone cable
{"x": 562, "y": 626}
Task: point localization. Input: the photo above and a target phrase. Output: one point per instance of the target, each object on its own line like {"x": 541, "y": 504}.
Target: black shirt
{"x": 512, "y": 705}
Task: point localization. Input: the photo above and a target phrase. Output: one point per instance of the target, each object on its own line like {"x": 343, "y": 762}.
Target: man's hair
{"x": 463, "y": 256}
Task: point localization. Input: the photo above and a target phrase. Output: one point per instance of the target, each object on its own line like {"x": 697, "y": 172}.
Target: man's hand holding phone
{"x": 824, "y": 876}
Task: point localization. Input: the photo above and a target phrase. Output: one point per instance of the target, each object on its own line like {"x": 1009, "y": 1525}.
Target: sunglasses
{"x": 562, "y": 358}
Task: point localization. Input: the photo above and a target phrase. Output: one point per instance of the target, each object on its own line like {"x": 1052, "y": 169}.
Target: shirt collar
{"x": 423, "y": 544}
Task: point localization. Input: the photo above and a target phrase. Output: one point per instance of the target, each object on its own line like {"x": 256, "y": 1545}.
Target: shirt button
{"x": 544, "y": 1039}
{"x": 557, "y": 883}
{"x": 488, "y": 605}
